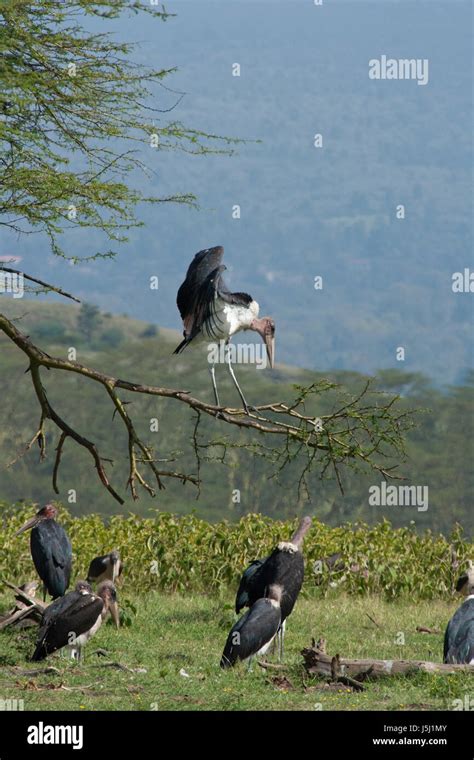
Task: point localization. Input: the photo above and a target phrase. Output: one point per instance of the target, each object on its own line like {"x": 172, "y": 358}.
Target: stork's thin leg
{"x": 282, "y": 638}
{"x": 214, "y": 384}
{"x": 249, "y": 665}
{"x": 242, "y": 397}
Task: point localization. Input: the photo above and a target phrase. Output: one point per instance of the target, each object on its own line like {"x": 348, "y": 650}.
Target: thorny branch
{"x": 351, "y": 434}
{"x": 45, "y": 285}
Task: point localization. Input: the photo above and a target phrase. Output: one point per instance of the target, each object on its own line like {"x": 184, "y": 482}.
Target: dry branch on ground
{"x": 318, "y": 663}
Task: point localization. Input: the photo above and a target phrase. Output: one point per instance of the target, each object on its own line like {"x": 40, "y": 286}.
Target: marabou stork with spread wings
{"x": 211, "y": 313}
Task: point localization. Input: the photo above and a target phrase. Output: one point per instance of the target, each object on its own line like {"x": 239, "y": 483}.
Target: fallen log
{"x": 338, "y": 676}
{"x": 27, "y": 606}
{"x": 319, "y": 663}
{"x": 14, "y": 617}
{"x": 23, "y": 595}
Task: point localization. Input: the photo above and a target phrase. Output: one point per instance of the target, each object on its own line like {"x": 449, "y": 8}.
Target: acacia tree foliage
{"x": 69, "y": 97}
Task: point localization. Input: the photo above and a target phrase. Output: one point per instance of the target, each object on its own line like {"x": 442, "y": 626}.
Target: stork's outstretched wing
{"x": 197, "y": 295}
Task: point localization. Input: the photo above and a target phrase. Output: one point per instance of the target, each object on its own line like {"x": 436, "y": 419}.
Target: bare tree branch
{"x": 369, "y": 431}
{"x": 47, "y": 287}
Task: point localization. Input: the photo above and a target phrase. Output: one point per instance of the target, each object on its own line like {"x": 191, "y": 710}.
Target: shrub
{"x": 174, "y": 553}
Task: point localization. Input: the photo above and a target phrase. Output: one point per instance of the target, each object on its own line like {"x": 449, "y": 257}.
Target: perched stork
{"x": 285, "y": 567}
{"x": 50, "y": 549}
{"x": 74, "y": 618}
{"x": 459, "y": 636}
{"x": 211, "y": 313}
{"x": 106, "y": 568}
{"x": 253, "y": 633}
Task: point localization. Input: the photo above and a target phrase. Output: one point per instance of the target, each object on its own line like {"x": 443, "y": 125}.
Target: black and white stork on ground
{"x": 74, "y": 618}
{"x": 211, "y": 313}
{"x": 284, "y": 567}
{"x": 459, "y": 636}
{"x": 105, "y": 568}
{"x": 254, "y": 632}
{"x": 50, "y": 549}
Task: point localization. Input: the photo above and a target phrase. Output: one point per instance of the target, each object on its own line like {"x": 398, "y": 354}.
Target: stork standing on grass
{"x": 108, "y": 567}
{"x": 285, "y": 567}
{"x": 211, "y": 313}
{"x": 459, "y": 636}
{"x": 72, "y": 620}
{"x": 253, "y": 633}
{"x": 50, "y": 549}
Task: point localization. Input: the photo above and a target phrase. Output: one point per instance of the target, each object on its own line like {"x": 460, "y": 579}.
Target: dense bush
{"x": 186, "y": 553}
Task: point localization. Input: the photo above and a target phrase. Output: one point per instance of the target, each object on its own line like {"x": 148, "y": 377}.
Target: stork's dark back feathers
{"x": 282, "y": 567}
{"x": 52, "y": 556}
{"x": 101, "y": 568}
{"x": 75, "y": 612}
{"x": 249, "y": 586}
{"x": 97, "y": 567}
{"x": 285, "y": 568}
{"x": 459, "y": 636}
{"x": 251, "y": 632}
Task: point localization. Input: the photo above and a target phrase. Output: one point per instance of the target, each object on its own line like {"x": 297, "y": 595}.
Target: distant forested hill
{"x": 440, "y": 449}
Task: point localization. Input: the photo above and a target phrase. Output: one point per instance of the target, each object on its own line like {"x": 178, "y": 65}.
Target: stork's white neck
{"x": 240, "y": 317}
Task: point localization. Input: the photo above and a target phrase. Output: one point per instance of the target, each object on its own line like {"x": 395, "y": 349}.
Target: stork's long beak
{"x": 115, "y": 613}
{"x": 115, "y": 570}
{"x": 270, "y": 344}
{"x": 28, "y": 525}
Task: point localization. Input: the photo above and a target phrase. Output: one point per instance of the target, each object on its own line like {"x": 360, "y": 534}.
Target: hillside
{"x": 440, "y": 449}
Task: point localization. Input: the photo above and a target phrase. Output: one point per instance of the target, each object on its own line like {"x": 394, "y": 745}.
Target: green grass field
{"x": 172, "y": 633}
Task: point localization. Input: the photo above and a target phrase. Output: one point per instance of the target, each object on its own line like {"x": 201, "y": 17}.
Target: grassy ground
{"x": 172, "y": 636}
